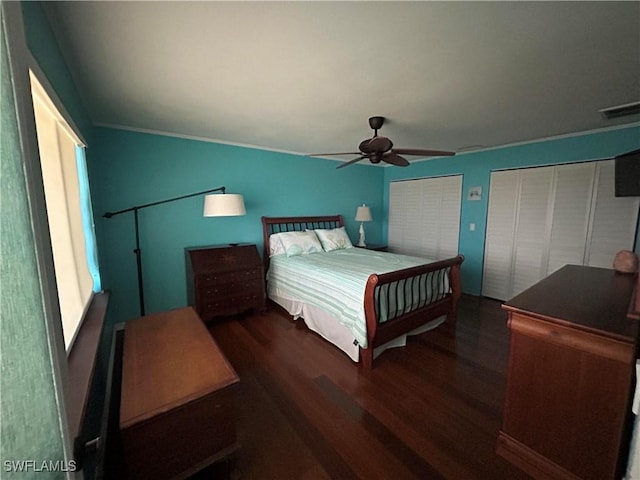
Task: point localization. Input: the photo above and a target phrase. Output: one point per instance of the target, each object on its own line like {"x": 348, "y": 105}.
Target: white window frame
{"x": 59, "y": 148}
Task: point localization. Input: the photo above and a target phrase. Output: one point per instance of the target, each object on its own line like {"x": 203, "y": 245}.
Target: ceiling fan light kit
{"x": 380, "y": 149}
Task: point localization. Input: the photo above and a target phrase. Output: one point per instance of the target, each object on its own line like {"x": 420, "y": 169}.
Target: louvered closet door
{"x": 613, "y": 220}
{"x": 501, "y": 222}
{"x": 570, "y": 216}
{"x": 429, "y": 214}
{"x": 404, "y": 201}
{"x": 449, "y": 222}
{"x": 397, "y": 214}
{"x": 530, "y": 240}
{"x": 541, "y": 219}
{"x": 424, "y": 216}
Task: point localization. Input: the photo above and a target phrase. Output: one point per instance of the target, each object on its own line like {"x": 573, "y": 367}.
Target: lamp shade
{"x": 223, "y": 205}
{"x": 363, "y": 214}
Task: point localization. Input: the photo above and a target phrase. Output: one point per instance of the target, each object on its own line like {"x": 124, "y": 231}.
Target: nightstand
{"x": 378, "y": 248}
{"x": 224, "y": 280}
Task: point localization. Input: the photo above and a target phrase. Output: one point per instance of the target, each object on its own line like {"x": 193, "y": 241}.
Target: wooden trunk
{"x": 177, "y": 412}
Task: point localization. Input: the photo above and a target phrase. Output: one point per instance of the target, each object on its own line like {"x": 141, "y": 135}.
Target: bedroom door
{"x": 424, "y": 216}
{"x": 540, "y": 219}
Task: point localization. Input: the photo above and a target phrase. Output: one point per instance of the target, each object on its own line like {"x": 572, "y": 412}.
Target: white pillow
{"x": 334, "y": 239}
{"x": 275, "y": 245}
{"x": 300, "y": 243}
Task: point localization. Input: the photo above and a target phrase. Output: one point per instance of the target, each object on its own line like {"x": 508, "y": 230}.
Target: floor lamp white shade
{"x": 363, "y": 214}
{"x": 224, "y": 205}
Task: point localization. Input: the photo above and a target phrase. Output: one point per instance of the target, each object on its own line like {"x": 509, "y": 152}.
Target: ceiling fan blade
{"x": 364, "y": 146}
{"x": 327, "y": 154}
{"x": 395, "y": 159}
{"x": 351, "y": 161}
{"x": 426, "y": 153}
{"x": 380, "y": 144}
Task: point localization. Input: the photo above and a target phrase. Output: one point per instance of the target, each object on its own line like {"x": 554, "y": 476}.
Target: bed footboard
{"x": 397, "y": 302}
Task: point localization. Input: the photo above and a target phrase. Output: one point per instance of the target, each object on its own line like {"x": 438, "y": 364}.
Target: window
{"x": 69, "y": 215}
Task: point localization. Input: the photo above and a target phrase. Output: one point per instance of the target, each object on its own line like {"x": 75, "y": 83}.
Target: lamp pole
{"x": 137, "y": 250}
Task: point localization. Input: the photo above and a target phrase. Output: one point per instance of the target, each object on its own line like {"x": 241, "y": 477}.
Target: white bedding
{"x": 334, "y": 307}
{"x": 331, "y": 330}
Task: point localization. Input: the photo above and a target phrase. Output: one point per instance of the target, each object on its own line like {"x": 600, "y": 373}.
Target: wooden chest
{"x": 224, "y": 280}
{"x": 178, "y": 404}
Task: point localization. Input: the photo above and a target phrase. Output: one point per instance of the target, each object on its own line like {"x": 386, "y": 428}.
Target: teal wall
{"x": 29, "y": 425}
{"x": 130, "y": 168}
{"x": 477, "y": 167}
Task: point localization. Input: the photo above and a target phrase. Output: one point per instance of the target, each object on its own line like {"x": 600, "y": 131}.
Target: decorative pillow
{"x": 300, "y": 243}
{"x": 275, "y": 245}
{"x": 334, "y": 239}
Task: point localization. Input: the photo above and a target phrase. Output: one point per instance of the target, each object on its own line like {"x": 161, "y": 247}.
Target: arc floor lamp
{"x": 223, "y": 205}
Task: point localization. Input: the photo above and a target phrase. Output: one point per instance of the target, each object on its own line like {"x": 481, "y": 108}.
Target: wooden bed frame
{"x": 412, "y": 316}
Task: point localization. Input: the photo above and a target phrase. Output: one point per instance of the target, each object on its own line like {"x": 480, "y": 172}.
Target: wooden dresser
{"x": 224, "y": 280}
{"x": 177, "y": 412}
{"x": 571, "y": 375}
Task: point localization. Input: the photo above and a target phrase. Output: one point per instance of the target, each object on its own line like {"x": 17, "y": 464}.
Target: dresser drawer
{"x": 232, "y": 290}
{"x": 231, "y": 305}
{"x": 218, "y": 279}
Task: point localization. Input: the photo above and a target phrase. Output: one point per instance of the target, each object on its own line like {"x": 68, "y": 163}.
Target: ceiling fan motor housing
{"x": 376, "y": 122}
{"x": 380, "y": 149}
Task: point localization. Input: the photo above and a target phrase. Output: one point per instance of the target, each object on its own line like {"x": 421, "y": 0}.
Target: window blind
{"x": 58, "y": 147}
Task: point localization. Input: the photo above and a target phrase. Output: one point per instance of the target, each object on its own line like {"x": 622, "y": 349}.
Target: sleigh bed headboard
{"x": 272, "y": 225}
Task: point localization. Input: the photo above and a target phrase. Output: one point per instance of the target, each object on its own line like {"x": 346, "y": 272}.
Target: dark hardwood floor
{"x": 430, "y": 410}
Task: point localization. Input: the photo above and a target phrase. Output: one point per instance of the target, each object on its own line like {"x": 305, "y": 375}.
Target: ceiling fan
{"x": 380, "y": 149}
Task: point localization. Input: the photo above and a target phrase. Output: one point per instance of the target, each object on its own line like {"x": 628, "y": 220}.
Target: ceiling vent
{"x": 621, "y": 110}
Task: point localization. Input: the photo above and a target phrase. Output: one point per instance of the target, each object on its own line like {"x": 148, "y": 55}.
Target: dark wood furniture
{"x": 634, "y": 305}
{"x": 178, "y": 408}
{"x": 224, "y": 280}
{"x": 109, "y": 461}
{"x": 570, "y": 375}
{"x": 414, "y": 314}
{"x": 377, "y": 248}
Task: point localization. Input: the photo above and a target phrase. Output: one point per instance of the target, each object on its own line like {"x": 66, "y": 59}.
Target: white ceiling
{"x": 305, "y": 76}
